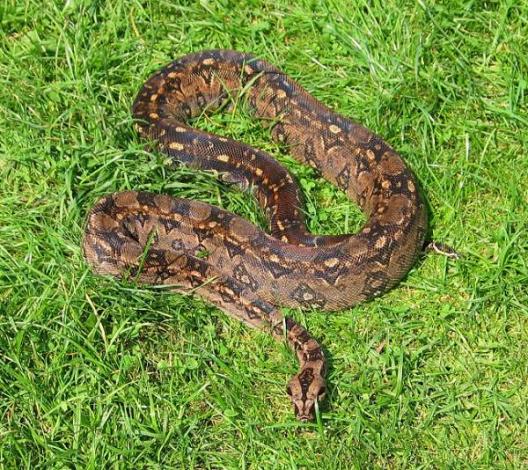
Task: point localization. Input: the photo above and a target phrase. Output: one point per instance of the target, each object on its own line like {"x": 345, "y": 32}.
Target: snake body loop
{"x": 246, "y": 271}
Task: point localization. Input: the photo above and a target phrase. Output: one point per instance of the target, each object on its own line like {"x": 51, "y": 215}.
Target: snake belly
{"x": 242, "y": 269}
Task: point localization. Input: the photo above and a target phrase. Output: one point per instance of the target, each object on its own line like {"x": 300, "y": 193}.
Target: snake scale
{"x": 246, "y": 271}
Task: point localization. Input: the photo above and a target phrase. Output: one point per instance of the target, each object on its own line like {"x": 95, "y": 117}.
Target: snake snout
{"x": 305, "y": 418}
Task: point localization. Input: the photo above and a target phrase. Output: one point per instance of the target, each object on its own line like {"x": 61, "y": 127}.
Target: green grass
{"x": 96, "y": 373}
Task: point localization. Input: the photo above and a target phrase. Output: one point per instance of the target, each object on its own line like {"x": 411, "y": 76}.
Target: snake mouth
{"x": 305, "y": 418}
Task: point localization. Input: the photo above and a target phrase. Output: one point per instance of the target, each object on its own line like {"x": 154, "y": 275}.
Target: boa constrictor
{"x": 245, "y": 271}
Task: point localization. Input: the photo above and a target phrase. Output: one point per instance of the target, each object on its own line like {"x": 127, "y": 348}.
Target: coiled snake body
{"x": 246, "y": 271}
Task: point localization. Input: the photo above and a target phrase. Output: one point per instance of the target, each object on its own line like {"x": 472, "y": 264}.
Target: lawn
{"x": 98, "y": 373}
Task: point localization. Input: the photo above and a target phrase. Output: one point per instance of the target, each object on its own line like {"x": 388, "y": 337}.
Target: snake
{"x": 248, "y": 272}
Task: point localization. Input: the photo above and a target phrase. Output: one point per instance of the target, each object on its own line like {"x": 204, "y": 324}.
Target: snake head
{"x": 305, "y": 389}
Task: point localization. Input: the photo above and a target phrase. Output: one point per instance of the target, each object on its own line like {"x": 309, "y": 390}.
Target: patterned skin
{"x": 246, "y": 271}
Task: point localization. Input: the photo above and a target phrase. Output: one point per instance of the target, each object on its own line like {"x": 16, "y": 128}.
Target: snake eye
{"x": 321, "y": 392}
{"x": 289, "y": 390}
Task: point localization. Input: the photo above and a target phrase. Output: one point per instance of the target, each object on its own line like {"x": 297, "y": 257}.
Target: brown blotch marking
{"x": 391, "y": 164}
{"x": 103, "y": 221}
{"x": 164, "y": 203}
{"x": 127, "y": 199}
{"x": 363, "y": 182}
{"x": 396, "y": 209}
{"x": 199, "y": 211}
